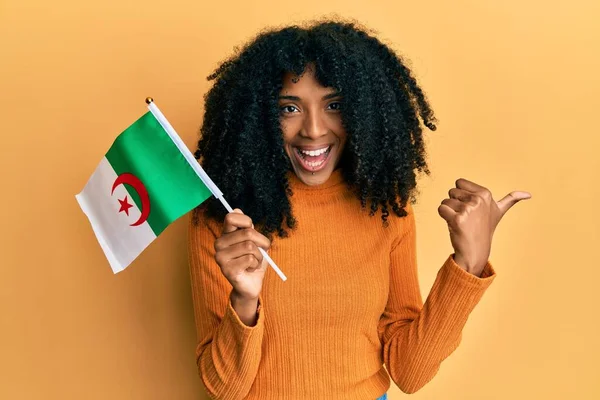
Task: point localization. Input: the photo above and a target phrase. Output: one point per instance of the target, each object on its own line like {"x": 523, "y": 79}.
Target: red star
{"x": 125, "y": 206}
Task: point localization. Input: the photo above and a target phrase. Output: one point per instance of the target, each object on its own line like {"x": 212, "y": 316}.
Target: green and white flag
{"x": 146, "y": 181}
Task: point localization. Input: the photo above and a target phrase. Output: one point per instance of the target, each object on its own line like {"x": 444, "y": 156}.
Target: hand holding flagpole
{"x": 200, "y": 171}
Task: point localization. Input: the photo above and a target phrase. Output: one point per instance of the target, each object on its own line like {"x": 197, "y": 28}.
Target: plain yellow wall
{"x": 514, "y": 84}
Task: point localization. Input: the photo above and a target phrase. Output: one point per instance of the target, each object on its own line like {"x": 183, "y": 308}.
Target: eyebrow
{"x": 296, "y": 98}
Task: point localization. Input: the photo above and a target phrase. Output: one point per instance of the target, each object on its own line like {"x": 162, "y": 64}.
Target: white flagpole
{"x": 200, "y": 171}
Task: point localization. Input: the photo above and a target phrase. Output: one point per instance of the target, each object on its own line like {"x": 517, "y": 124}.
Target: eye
{"x": 336, "y": 105}
{"x": 287, "y": 109}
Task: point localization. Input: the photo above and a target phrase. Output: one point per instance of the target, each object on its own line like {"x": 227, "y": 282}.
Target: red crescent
{"x": 139, "y": 187}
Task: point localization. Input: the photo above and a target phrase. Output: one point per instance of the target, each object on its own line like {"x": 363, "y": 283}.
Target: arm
{"x": 229, "y": 350}
{"x": 417, "y": 337}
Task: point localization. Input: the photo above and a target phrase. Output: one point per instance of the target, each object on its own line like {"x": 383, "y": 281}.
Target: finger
{"x": 235, "y": 220}
{"x": 465, "y": 184}
{"x": 460, "y": 194}
{"x": 243, "y": 263}
{"x": 447, "y": 213}
{"x": 261, "y": 265}
{"x": 454, "y": 204}
{"x": 239, "y": 250}
{"x": 511, "y": 199}
{"x": 242, "y": 235}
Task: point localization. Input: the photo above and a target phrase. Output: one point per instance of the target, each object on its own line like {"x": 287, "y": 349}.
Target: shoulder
{"x": 402, "y": 226}
{"x": 200, "y": 225}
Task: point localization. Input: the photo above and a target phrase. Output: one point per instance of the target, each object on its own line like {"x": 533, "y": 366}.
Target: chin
{"x": 309, "y": 179}
{"x": 313, "y": 180}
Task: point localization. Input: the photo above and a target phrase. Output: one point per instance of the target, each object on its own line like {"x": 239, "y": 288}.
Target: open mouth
{"x": 313, "y": 160}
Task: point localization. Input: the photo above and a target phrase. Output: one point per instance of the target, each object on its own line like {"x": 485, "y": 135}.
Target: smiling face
{"x": 311, "y": 120}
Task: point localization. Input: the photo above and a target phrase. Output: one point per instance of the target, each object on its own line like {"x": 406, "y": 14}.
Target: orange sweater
{"x": 350, "y": 305}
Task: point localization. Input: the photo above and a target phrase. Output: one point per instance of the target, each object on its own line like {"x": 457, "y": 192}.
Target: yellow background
{"x": 514, "y": 84}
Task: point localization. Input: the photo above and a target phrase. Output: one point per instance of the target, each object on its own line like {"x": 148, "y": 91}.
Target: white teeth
{"x": 314, "y": 153}
{"x": 314, "y": 164}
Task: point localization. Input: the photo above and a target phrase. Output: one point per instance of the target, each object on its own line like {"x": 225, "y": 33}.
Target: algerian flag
{"x": 147, "y": 180}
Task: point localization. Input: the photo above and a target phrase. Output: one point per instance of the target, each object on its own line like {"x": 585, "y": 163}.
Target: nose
{"x": 314, "y": 125}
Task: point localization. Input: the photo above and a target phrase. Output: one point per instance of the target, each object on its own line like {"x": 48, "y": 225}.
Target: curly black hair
{"x": 241, "y": 141}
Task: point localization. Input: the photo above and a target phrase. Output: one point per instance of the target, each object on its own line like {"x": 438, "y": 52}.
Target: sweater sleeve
{"x": 417, "y": 337}
{"x": 228, "y": 351}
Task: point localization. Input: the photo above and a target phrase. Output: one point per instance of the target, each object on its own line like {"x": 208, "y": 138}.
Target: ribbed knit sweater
{"x": 349, "y": 316}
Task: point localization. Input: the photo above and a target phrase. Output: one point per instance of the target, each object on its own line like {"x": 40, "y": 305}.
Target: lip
{"x": 310, "y": 169}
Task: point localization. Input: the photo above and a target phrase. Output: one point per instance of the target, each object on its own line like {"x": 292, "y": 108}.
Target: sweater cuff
{"x": 458, "y": 276}
{"x": 235, "y": 320}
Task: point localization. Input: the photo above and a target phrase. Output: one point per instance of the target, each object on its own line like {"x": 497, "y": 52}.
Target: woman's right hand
{"x": 238, "y": 256}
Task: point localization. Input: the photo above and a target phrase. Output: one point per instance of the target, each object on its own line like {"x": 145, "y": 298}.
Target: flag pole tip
{"x": 149, "y": 100}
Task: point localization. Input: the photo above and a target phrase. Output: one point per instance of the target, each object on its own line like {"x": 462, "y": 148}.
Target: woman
{"x": 314, "y": 134}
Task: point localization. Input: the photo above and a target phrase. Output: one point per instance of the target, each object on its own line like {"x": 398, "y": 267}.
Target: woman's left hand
{"x": 472, "y": 216}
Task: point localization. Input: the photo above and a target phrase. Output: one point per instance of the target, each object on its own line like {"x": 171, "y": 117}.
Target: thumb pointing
{"x": 511, "y": 199}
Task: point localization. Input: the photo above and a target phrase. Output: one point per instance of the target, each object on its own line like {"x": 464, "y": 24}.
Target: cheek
{"x": 288, "y": 131}
{"x": 287, "y": 138}
{"x": 340, "y": 132}
{"x": 338, "y": 128}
